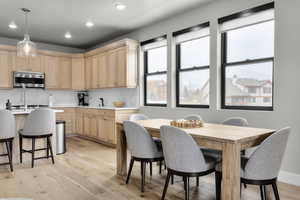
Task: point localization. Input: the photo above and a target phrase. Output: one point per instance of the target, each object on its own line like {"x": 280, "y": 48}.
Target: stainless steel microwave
{"x": 28, "y": 80}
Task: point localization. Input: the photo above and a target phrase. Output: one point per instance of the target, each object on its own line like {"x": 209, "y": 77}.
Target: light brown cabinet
{"x": 99, "y": 124}
{"x": 50, "y": 65}
{"x": 32, "y": 64}
{"x": 69, "y": 117}
{"x": 65, "y": 73}
{"x": 88, "y": 72}
{"x": 102, "y": 70}
{"x": 78, "y": 73}
{"x": 112, "y": 67}
{"x": 6, "y": 68}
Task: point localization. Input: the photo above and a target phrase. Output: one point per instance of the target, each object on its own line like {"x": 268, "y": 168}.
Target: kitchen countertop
{"x": 95, "y": 107}
{"x": 27, "y": 111}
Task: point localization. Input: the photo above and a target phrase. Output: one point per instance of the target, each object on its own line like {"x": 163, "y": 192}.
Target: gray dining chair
{"x": 232, "y": 121}
{"x": 193, "y": 117}
{"x": 7, "y": 135}
{"x": 139, "y": 116}
{"x": 262, "y": 167}
{"x": 142, "y": 148}
{"x": 183, "y": 157}
{"x": 40, "y": 124}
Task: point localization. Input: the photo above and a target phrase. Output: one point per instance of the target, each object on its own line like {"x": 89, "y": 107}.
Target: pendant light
{"x": 26, "y": 47}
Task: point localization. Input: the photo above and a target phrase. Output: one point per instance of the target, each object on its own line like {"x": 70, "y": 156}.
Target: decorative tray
{"x": 182, "y": 123}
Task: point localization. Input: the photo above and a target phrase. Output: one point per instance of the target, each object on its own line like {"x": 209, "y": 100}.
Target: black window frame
{"x": 193, "y": 68}
{"x": 146, "y": 74}
{"x": 225, "y": 64}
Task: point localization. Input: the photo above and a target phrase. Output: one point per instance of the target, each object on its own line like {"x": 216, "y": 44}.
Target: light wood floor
{"x": 87, "y": 172}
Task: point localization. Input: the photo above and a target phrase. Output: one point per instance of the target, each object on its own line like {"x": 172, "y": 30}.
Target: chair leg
{"x": 130, "y": 169}
{"x": 150, "y": 168}
{"x": 32, "y": 153}
{"x": 172, "y": 179}
{"x": 160, "y": 164}
{"x": 50, "y": 147}
{"x": 47, "y": 153}
{"x": 8, "y": 144}
{"x": 21, "y": 148}
{"x": 262, "y": 195}
{"x": 276, "y": 193}
{"x": 218, "y": 182}
{"x": 187, "y": 188}
{"x": 197, "y": 181}
{"x": 166, "y": 186}
{"x": 143, "y": 174}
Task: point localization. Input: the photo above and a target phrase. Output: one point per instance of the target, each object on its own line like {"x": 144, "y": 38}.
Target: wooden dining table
{"x": 231, "y": 140}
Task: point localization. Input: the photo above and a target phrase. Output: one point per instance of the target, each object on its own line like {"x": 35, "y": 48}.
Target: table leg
{"x": 121, "y": 151}
{"x": 231, "y": 171}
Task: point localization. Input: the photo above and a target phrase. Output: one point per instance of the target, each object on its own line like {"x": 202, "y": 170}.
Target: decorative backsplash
{"x": 69, "y": 97}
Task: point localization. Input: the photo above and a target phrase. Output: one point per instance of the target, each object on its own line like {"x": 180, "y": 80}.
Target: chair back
{"x": 135, "y": 117}
{"x": 7, "y": 124}
{"x": 139, "y": 141}
{"x": 236, "y": 121}
{"x": 39, "y": 122}
{"x": 265, "y": 162}
{"x": 181, "y": 151}
{"x": 193, "y": 117}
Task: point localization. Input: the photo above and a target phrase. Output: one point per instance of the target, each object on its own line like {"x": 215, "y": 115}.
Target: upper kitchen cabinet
{"x": 88, "y": 72}
{"x": 78, "y": 73}
{"x": 102, "y": 70}
{"x": 114, "y": 65}
{"x": 6, "y": 68}
{"x": 32, "y": 64}
{"x": 65, "y": 73}
{"x": 51, "y": 65}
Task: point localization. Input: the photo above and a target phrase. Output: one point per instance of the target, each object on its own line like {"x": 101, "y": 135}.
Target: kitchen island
{"x": 20, "y": 116}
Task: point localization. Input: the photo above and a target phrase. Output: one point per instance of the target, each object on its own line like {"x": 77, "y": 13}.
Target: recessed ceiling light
{"x": 12, "y": 25}
{"x": 68, "y": 35}
{"x": 120, "y": 6}
{"x": 89, "y": 24}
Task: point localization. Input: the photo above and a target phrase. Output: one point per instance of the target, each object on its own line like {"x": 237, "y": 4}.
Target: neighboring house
{"x": 250, "y": 92}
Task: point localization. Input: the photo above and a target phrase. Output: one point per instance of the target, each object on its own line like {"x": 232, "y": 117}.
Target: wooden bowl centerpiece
{"x": 182, "y": 123}
{"x": 119, "y": 104}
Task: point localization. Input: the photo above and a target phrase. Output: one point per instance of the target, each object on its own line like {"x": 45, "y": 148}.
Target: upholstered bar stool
{"x": 7, "y": 134}
{"x": 38, "y": 125}
{"x": 142, "y": 148}
{"x": 183, "y": 157}
{"x": 139, "y": 116}
{"x": 262, "y": 167}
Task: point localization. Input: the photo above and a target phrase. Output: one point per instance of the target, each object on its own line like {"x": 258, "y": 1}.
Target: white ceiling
{"x": 50, "y": 19}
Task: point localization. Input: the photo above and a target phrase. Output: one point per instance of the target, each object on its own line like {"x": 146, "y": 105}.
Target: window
{"x": 155, "y": 71}
{"x": 192, "y": 66}
{"x": 248, "y": 59}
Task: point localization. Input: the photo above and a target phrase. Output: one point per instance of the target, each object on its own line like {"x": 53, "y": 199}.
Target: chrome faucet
{"x": 24, "y": 96}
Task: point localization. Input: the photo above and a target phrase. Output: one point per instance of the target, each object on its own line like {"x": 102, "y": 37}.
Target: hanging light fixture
{"x": 26, "y": 47}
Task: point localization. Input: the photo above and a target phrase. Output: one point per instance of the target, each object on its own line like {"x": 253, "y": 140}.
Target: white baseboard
{"x": 290, "y": 178}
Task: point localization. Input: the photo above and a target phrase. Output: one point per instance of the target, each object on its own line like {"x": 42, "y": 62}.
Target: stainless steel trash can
{"x": 60, "y": 137}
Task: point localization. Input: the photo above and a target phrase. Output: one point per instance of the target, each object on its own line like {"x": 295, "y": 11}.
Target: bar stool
{"x": 262, "y": 167}
{"x": 39, "y": 124}
{"x": 183, "y": 157}
{"x": 7, "y": 134}
{"x": 142, "y": 148}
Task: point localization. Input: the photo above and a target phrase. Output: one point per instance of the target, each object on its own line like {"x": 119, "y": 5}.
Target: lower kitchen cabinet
{"x": 96, "y": 124}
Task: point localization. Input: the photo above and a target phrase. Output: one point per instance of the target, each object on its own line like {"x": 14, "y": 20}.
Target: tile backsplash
{"x": 128, "y": 95}
{"x": 37, "y": 96}
{"x": 69, "y": 97}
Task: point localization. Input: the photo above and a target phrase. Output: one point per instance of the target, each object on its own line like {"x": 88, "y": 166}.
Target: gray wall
{"x": 286, "y": 75}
